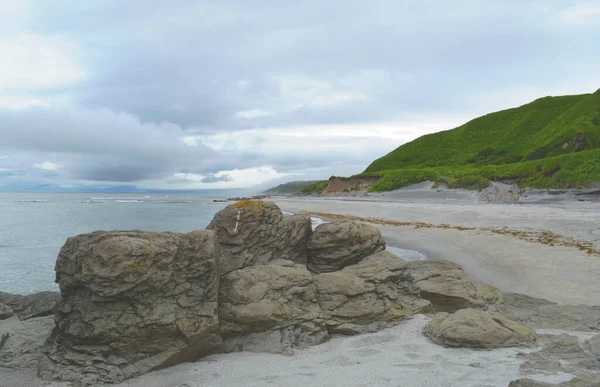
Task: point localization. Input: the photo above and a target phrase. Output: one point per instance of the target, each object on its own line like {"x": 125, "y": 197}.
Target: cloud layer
{"x": 232, "y": 93}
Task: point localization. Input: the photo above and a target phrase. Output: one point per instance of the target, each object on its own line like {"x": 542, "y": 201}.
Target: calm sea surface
{"x": 34, "y": 226}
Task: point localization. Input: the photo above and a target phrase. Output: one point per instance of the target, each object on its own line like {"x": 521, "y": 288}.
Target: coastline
{"x": 537, "y": 249}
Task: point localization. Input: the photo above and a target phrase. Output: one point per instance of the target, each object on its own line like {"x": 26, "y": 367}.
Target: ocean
{"x": 34, "y": 226}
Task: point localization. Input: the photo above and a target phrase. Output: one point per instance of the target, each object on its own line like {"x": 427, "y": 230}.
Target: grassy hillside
{"x": 294, "y": 187}
{"x": 551, "y": 142}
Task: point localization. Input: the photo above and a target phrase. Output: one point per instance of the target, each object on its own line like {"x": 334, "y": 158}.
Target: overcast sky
{"x": 232, "y": 93}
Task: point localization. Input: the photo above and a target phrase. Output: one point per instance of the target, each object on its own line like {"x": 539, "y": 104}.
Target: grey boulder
{"x": 544, "y": 314}
{"x": 338, "y": 244}
{"x": 450, "y": 289}
{"x": 31, "y": 305}
{"x": 255, "y": 232}
{"x": 477, "y": 329}
{"x": 133, "y": 302}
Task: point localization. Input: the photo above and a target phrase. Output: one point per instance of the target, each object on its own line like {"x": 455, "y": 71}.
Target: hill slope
{"x": 550, "y": 142}
{"x": 292, "y": 187}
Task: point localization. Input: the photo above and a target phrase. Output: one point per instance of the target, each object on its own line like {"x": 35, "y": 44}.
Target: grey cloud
{"x": 186, "y": 72}
{"x": 156, "y": 71}
{"x": 214, "y": 179}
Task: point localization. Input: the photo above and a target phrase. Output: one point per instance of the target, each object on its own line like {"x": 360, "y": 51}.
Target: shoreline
{"x": 539, "y": 250}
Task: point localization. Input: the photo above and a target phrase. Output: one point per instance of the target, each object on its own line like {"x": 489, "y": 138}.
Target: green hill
{"x": 292, "y": 187}
{"x": 550, "y": 142}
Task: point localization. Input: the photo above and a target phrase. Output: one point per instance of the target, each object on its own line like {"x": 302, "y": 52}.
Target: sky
{"x": 172, "y": 95}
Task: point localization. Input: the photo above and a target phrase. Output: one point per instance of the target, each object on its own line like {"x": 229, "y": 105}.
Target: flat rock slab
{"x": 450, "y": 289}
{"x": 544, "y": 314}
{"x": 25, "y": 341}
{"x": 477, "y": 329}
{"x": 31, "y": 305}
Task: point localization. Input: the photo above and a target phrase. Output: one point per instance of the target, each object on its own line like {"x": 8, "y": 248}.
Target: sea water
{"x": 34, "y": 226}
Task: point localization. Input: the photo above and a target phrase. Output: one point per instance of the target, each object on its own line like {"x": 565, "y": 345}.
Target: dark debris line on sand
{"x": 544, "y": 237}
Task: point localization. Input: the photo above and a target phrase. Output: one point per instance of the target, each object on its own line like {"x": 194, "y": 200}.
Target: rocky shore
{"x": 135, "y": 302}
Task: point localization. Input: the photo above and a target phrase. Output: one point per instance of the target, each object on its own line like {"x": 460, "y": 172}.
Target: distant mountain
{"x": 291, "y": 187}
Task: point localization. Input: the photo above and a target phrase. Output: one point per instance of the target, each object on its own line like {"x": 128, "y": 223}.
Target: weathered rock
{"x": 544, "y": 314}
{"x": 477, "y": 329}
{"x": 31, "y": 305}
{"x": 133, "y": 302}
{"x": 450, "y": 289}
{"x": 264, "y": 297}
{"x": 338, "y": 244}
{"x": 275, "y": 307}
{"x": 5, "y": 312}
{"x": 591, "y": 380}
{"x": 593, "y": 345}
{"x": 561, "y": 353}
{"x": 25, "y": 341}
{"x": 368, "y": 296}
{"x": 253, "y": 232}
{"x": 529, "y": 383}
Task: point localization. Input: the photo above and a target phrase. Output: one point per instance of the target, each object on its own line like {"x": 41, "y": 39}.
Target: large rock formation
{"x": 369, "y": 295}
{"x": 253, "y": 232}
{"x": 338, "y": 244}
{"x": 477, "y": 329}
{"x": 133, "y": 302}
{"x": 136, "y": 301}
{"x": 275, "y": 307}
{"x": 270, "y": 308}
{"x": 31, "y": 305}
{"x": 449, "y": 288}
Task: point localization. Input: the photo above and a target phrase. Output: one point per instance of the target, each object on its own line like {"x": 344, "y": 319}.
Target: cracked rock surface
{"x": 254, "y": 232}
{"x": 477, "y": 329}
{"x": 132, "y": 302}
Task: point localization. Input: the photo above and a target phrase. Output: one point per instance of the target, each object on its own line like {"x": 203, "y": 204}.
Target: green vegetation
{"x": 292, "y": 187}
{"x": 316, "y": 187}
{"x": 551, "y": 142}
{"x": 574, "y": 170}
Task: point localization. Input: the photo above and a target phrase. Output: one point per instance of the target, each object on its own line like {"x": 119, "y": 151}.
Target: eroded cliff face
{"x": 339, "y": 185}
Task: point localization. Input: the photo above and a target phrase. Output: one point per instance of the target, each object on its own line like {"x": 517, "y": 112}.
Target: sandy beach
{"x": 500, "y": 244}
{"x": 533, "y": 248}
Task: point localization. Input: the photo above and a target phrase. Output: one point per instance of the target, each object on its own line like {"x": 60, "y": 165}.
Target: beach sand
{"x": 402, "y": 356}
{"x": 560, "y": 272}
